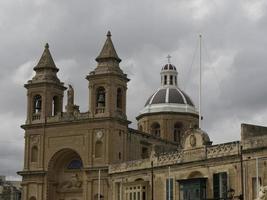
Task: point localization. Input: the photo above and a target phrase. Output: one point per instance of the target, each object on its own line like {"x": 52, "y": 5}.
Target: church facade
{"x": 73, "y": 155}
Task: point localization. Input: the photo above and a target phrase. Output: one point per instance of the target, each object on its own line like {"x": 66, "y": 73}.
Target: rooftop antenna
{"x": 200, "y": 81}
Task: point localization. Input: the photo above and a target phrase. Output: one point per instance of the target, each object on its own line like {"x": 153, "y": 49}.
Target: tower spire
{"x": 46, "y": 69}
{"x": 46, "y": 61}
{"x": 108, "y": 51}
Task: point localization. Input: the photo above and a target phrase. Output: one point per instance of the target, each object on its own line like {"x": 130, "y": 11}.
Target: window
{"x": 119, "y": 98}
{"x": 100, "y": 97}
{"x": 140, "y": 128}
{"x": 175, "y": 79}
{"x": 118, "y": 189}
{"x": 177, "y": 132}
{"x": 136, "y": 192}
{"x": 144, "y": 153}
{"x": 34, "y": 154}
{"x": 155, "y": 129}
{"x": 194, "y": 189}
{"x": 98, "y": 149}
{"x": 165, "y": 80}
{"x": 37, "y": 104}
{"x": 75, "y": 164}
{"x": 169, "y": 189}
{"x": 55, "y": 106}
{"x": 171, "y": 80}
{"x": 220, "y": 185}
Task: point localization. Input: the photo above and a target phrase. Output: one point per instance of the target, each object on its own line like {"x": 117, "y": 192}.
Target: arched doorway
{"x": 65, "y": 176}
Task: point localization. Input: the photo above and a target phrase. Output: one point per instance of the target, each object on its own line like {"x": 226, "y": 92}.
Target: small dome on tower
{"x": 168, "y": 66}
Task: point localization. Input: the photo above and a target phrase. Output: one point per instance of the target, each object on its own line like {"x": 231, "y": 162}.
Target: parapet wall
{"x": 253, "y": 136}
{"x": 179, "y": 157}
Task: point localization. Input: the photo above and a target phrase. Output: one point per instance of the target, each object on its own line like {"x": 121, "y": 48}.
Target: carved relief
{"x": 262, "y": 193}
{"x": 35, "y": 140}
{"x": 74, "y": 183}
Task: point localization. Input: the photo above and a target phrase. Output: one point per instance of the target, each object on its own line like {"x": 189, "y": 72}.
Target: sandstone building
{"x": 73, "y": 155}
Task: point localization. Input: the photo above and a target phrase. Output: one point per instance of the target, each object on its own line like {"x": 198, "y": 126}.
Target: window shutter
{"x": 224, "y": 184}
{"x": 216, "y": 186}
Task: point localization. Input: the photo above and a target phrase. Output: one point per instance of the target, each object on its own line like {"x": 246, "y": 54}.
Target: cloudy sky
{"x": 144, "y": 32}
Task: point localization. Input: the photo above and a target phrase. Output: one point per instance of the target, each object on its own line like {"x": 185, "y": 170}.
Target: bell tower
{"x": 45, "y": 91}
{"x": 107, "y": 84}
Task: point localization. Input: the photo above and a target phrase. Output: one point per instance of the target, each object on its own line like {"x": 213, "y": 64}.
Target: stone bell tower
{"x": 108, "y": 84}
{"x": 45, "y": 91}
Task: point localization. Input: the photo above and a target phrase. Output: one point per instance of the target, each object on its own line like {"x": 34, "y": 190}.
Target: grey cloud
{"x": 144, "y": 33}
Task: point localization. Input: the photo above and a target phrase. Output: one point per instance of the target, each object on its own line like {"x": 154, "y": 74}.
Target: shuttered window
{"x": 220, "y": 185}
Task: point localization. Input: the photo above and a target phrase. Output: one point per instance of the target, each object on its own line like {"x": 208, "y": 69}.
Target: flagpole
{"x": 200, "y": 80}
{"x": 99, "y": 173}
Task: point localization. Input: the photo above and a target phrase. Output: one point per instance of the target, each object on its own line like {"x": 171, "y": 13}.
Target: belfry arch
{"x": 64, "y": 176}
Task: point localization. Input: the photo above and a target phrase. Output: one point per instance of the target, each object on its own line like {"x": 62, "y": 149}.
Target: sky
{"x": 144, "y": 32}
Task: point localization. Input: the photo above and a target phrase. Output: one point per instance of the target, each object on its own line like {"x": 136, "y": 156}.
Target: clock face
{"x": 99, "y": 135}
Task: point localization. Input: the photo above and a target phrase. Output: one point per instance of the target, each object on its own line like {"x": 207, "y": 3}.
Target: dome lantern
{"x": 168, "y": 74}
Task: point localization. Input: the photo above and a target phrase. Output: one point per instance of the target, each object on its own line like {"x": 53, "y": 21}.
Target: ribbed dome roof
{"x": 169, "y": 95}
{"x": 169, "y": 99}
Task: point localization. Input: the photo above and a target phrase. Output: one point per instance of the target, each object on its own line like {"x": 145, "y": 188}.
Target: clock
{"x": 99, "y": 135}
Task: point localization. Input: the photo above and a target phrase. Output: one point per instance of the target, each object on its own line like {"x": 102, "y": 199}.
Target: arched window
{"x": 140, "y": 128}
{"x": 155, "y": 129}
{"x": 177, "y": 132}
{"x": 98, "y": 149}
{"x": 37, "y": 104}
{"x": 171, "y": 80}
{"x": 119, "y": 98}
{"x": 165, "y": 80}
{"x": 55, "y": 105}
{"x": 34, "y": 154}
{"x": 75, "y": 164}
{"x": 100, "y": 97}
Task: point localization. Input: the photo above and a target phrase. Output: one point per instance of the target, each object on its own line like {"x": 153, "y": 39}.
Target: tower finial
{"x": 109, "y": 34}
{"x": 47, "y": 46}
{"x": 169, "y": 59}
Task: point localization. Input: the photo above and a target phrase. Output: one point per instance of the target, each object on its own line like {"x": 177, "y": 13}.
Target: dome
{"x": 169, "y": 99}
{"x": 168, "y": 67}
{"x": 169, "y": 95}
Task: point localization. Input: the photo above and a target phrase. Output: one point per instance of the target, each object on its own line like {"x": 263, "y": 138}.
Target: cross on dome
{"x": 169, "y": 59}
